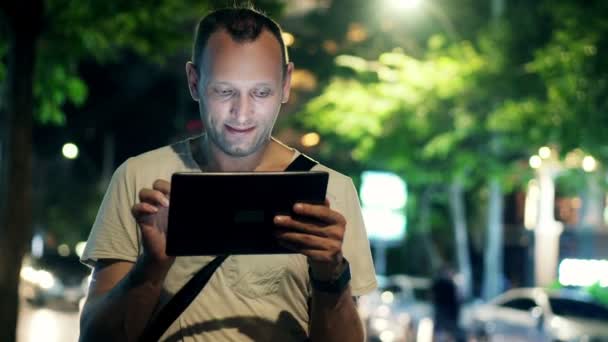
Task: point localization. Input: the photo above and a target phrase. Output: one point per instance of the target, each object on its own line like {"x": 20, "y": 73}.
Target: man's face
{"x": 241, "y": 88}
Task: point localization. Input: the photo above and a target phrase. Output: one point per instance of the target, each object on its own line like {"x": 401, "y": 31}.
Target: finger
{"x": 288, "y": 222}
{"x": 162, "y": 186}
{"x": 320, "y": 212}
{"x": 314, "y": 254}
{"x": 143, "y": 208}
{"x": 308, "y": 241}
{"x": 154, "y": 197}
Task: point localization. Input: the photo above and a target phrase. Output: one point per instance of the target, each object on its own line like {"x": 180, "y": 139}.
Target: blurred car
{"x": 535, "y": 314}
{"x": 393, "y": 311}
{"x": 53, "y": 278}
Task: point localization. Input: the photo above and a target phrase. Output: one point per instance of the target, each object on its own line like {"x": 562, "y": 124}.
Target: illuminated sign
{"x": 383, "y": 195}
{"x": 583, "y": 272}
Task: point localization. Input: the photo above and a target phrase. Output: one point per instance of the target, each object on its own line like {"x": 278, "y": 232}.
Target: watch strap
{"x": 333, "y": 286}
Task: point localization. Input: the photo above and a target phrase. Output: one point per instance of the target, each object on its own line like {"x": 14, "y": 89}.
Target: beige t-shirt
{"x": 250, "y": 297}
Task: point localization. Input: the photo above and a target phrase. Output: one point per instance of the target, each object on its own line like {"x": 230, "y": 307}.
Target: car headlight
{"x": 379, "y": 324}
{"x": 46, "y": 280}
{"x": 42, "y": 278}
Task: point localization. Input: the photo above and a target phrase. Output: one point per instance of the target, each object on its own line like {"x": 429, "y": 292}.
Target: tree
{"x": 409, "y": 116}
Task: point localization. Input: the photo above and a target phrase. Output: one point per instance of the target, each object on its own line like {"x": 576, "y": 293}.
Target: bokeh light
{"x": 535, "y": 162}
{"x": 70, "y": 151}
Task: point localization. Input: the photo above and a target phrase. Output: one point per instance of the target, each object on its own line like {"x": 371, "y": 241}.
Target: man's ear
{"x": 193, "y": 79}
{"x": 287, "y": 82}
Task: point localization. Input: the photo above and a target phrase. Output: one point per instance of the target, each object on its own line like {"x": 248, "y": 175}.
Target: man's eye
{"x": 262, "y": 93}
{"x": 224, "y": 92}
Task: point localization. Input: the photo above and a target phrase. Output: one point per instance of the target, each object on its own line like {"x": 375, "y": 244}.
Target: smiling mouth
{"x": 239, "y": 130}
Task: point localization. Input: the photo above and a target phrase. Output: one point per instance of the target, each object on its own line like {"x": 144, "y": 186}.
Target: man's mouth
{"x": 239, "y": 130}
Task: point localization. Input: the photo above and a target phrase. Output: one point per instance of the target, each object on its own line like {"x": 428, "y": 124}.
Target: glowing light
{"x": 356, "y": 33}
{"x": 383, "y": 310}
{"x": 383, "y": 190}
{"x": 544, "y": 152}
{"x": 37, "y": 245}
{"x": 379, "y": 324}
{"x": 70, "y": 151}
{"x": 310, "y": 139}
{"x": 79, "y": 248}
{"x": 535, "y": 162}
{"x": 589, "y": 164}
{"x": 288, "y": 38}
{"x": 583, "y": 272}
{"x": 303, "y": 79}
{"x": 63, "y": 250}
{"x": 387, "y": 297}
{"x": 41, "y": 278}
{"x": 29, "y": 274}
{"x": 45, "y": 279}
{"x": 404, "y": 5}
{"x": 330, "y": 46}
{"x": 384, "y": 225}
{"x": 44, "y": 325}
{"x": 425, "y": 330}
{"x": 531, "y": 204}
{"x": 387, "y": 336}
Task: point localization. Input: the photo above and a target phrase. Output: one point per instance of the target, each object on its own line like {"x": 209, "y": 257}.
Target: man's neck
{"x": 274, "y": 156}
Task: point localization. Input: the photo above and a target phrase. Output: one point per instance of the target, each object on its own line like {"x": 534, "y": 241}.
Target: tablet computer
{"x": 232, "y": 213}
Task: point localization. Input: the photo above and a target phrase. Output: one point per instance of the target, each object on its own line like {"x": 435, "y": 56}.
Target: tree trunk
{"x": 424, "y": 225}
{"x": 23, "y": 20}
{"x": 459, "y": 219}
{"x": 547, "y": 231}
{"x": 493, "y": 257}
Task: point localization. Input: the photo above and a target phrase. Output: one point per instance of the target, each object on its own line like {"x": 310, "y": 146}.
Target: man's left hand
{"x": 319, "y": 235}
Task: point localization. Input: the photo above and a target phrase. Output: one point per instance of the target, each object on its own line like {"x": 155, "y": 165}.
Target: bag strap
{"x": 182, "y": 299}
{"x": 302, "y": 163}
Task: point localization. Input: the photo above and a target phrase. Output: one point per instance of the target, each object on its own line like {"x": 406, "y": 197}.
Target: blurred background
{"x": 475, "y": 131}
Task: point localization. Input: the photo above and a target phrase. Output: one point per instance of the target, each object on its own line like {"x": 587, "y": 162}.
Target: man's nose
{"x": 241, "y": 108}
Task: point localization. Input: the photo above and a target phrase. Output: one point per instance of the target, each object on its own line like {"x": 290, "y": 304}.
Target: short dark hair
{"x": 243, "y": 24}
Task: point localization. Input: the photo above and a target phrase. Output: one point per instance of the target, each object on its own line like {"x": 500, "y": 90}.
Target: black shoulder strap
{"x": 180, "y": 301}
{"x": 301, "y": 163}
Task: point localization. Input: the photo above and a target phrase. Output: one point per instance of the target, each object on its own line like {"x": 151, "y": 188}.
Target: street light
{"x": 404, "y": 5}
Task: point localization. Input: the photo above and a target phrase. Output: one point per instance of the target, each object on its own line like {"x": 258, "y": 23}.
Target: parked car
{"x": 53, "y": 278}
{"x": 536, "y": 314}
{"x": 393, "y": 311}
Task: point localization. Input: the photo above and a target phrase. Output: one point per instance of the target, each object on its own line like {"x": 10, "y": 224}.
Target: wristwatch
{"x": 336, "y": 285}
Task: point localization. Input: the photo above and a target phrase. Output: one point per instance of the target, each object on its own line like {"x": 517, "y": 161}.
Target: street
{"x": 49, "y": 324}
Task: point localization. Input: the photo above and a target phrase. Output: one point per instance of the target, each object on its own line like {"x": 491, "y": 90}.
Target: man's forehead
{"x": 222, "y": 45}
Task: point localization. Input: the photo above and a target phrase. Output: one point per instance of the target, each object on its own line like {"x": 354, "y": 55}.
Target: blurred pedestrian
{"x": 446, "y": 306}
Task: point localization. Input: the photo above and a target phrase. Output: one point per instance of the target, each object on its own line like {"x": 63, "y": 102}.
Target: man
{"x": 240, "y": 75}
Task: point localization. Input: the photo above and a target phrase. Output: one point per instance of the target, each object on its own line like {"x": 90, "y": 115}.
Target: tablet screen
{"x": 232, "y": 213}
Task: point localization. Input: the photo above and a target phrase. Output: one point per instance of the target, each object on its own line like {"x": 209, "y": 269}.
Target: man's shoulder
{"x": 334, "y": 176}
{"x": 168, "y": 154}
{"x": 161, "y": 163}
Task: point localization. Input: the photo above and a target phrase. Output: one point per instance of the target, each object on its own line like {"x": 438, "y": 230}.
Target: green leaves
{"x": 401, "y": 111}
{"x": 57, "y": 84}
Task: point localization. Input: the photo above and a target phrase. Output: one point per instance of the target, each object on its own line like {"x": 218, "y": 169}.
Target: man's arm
{"x": 121, "y": 299}
{"x": 123, "y": 295}
{"x": 334, "y": 316}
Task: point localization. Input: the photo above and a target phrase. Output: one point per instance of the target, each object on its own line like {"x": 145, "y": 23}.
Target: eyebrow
{"x": 226, "y": 83}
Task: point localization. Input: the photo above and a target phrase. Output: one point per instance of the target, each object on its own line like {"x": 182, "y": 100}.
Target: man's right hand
{"x": 151, "y": 214}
